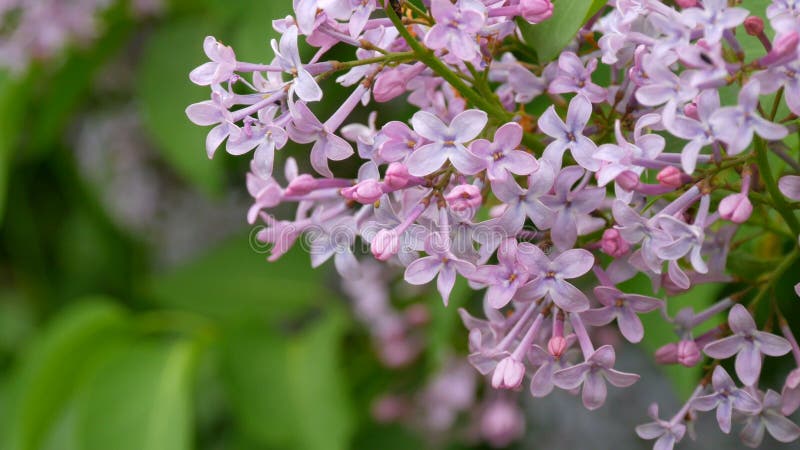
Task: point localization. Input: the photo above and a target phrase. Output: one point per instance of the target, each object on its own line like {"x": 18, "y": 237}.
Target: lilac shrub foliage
{"x": 654, "y": 143}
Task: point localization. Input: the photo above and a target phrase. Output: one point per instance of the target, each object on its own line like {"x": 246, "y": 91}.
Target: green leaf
{"x": 139, "y": 400}
{"x": 53, "y": 369}
{"x": 234, "y": 280}
{"x": 12, "y": 101}
{"x": 287, "y": 389}
{"x": 164, "y": 91}
{"x": 551, "y": 36}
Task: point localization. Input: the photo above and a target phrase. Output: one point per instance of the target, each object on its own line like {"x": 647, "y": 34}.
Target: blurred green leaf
{"x": 52, "y": 370}
{"x": 13, "y": 94}
{"x": 287, "y": 389}
{"x": 233, "y": 280}
{"x": 253, "y": 31}
{"x": 139, "y": 400}
{"x": 165, "y": 91}
{"x": 551, "y": 36}
{"x": 445, "y": 321}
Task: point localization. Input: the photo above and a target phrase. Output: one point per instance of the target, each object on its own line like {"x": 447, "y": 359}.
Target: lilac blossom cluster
{"x": 652, "y": 171}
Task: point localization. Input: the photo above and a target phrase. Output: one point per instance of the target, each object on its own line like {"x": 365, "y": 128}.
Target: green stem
{"x": 391, "y": 57}
{"x": 772, "y": 187}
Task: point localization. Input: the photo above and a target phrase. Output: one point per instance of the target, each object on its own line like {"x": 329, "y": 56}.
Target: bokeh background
{"x": 137, "y": 312}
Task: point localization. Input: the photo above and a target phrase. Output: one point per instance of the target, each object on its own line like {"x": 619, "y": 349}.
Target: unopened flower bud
{"x": 385, "y": 244}
{"x": 557, "y": 345}
{"x": 397, "y": 176}
{"x": 667, "y": 354}
{"x": 687, "y": 353}
{"x": 535, "y": 11}
{"x": 389, "y": 84}
{"x": 670, "y": 176}
{"x": 464, "y": 197}
{"x": 628, "y": 180}
{"x": 690, "y": 109}
{"x": 366, "y": 192}
{"x": 686, "y": 3}
{"x": 508, "y": 374}
{"x": 612, "y": 243}
{"x": 754, "y": 25}
{"x": 301, "y": 185}
{"x": 736, "y": 208}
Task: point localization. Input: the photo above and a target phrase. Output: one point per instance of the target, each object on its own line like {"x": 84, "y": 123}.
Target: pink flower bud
{"x": 389, "y": 84}
{"x": 628, "y": 180}
{"x": 508, "y": 374}
{"x": 366, "y": 192}
{"x": 687, "y": 353}
{"x": 736, "y": 208}
{"x": 301, "y": 185}
{"x": 670, "y": 176}
{"x": 686, "y": 3}
{"x": 385, "y": 244}
{"x": 690, "y": 109}
{"x": 397, "y": 176}
{"x": 667, "y": 354}
{"x": 612, "y": 243}
{"x": 557, "y": 345}
{"x": 389, "y": 408}
{"x": 754, "y": 25}
{"x": 417, "y": 315}
{"x": 784, "y": 49}
{"x": 464, "y": 197}
{"x": 535, "y": 11}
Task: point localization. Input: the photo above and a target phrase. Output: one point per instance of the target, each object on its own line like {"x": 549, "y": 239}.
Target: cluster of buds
{"x": 651, "y": 171}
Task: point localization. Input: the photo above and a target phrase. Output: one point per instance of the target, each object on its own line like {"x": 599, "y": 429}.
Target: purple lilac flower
{"x": 725, "y": 398}
{"x": 622, "y": 307}
{"x": 572, "y": 207}
{"x": 219, "y": 69}
{"x": 666, "y": 433}
{"x": 306, "y": 128}
{"x": 736, "y": 124}
{"x": 501, "y": 156}
{"x": 770, "y": 419}
{"x": 442, "y": 263}
{"x": 549, "y": 275}
{"x": 505, "y": 278}
{"x": 592, "y": 374}
{"x": 700, "y": 132}
{"x": 747, "y": 343}
{"x": 455, "y": 29}
{"x": 573, "y": 76}
{"x": 569, "y": 135}
{"x": 447, "y": 142}
{"x": 715, "y": 17}
{"x": 789, "y": 186}
{"x": 522, "y": 203}
{"x": 287, "y": 56}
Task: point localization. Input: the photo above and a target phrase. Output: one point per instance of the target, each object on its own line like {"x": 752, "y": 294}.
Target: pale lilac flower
{"x": 306, "y": 128}
{"x": 311, "y": 13}
{"x": 786, "y": 76}
{"x": 685, "y": 238}
{"x": 502, "y": 422}
{"x": 549, "y": 276}
{"x": 736, "y": 124}
{"x": 623, "y": 156}
{"x": 221, "y": 67}
{"x": 747, "y": 343}
{"x": 573, "y": 76}
{"x": 789, "y": 186}
{"x": 790, "y": 394}
{"x": 213, "y": 112}
{"x": 505, "y": 278}
{"x": 635, "y": 228}
{"x": 715, "y": 17}
{"x": 770, "y": 419}
{"x": 569, "y": 135}
{"x": 447, "y": 142}
{"x": 334, "y": 237}
{"x": 362, "y": 9}
{"x": 522, "y": 203}
{"x": 440, "y": 262}
{"x": 725, "y": 398}
{"x": 287, "y": 57}
{"x": 666, "y": 433}
{"x": 548, "y": 364}
{"x": 455, "y": 29}
{"x": 399, "y": 141}
{"x": 572, "y": 207}
{"x": 593, "y": 374}
{"x": 622, "y": 307}
{"x": 261, "y": 134}
{"x": 700, "y": 132}
{"x": 502, "y": 155}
